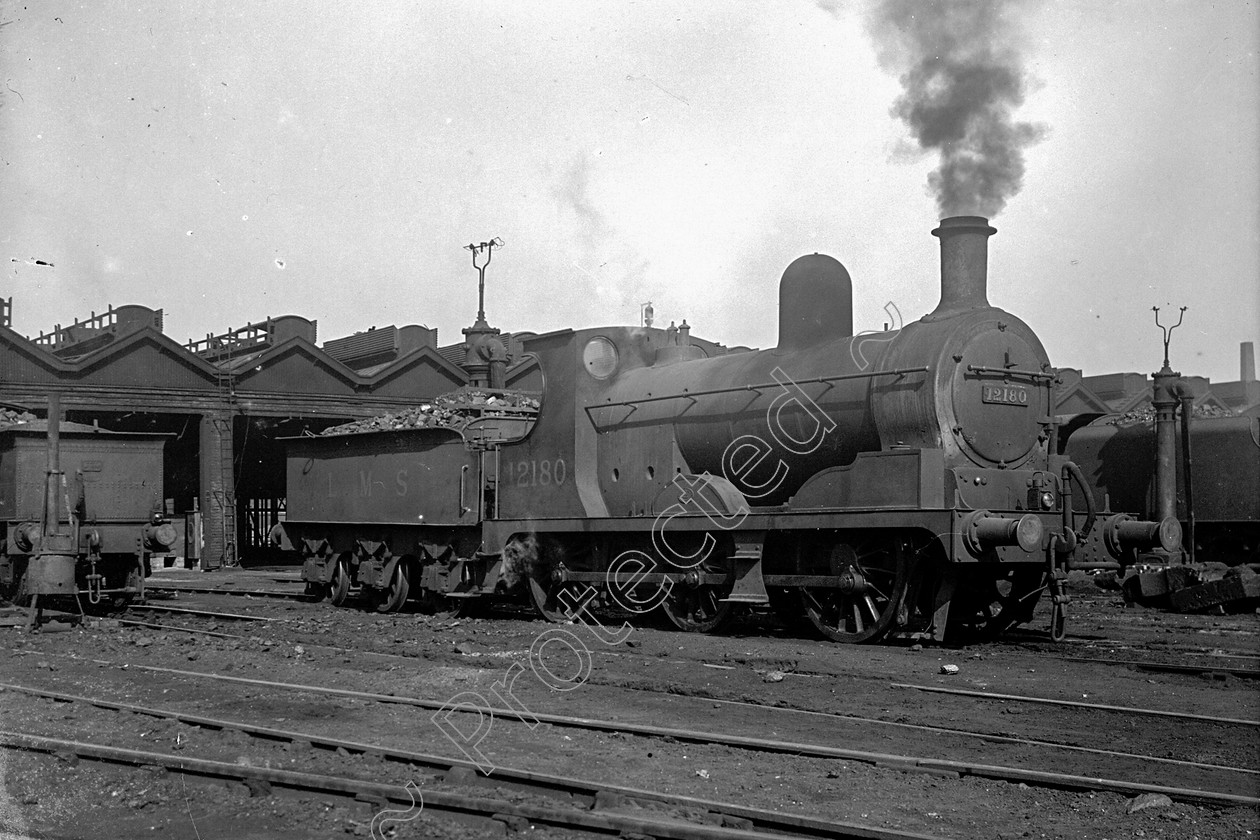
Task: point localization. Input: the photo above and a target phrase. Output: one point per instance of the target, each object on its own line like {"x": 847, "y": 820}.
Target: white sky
{"x": 170, "y": 153}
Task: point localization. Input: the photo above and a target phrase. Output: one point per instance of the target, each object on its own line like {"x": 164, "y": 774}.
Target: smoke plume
{"x": 963, "y": 79}
{"x": 601, "y": 252}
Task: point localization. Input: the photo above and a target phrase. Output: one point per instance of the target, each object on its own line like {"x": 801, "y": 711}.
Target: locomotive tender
{"x": 1116, "y": 458}
{"x": 899, "y": 483}
{"x": 80, "y": 512}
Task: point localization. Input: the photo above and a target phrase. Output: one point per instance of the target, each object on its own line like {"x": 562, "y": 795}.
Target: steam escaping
{"x": 610, "y": 263}
{"x": 963, "y": 79}
{"x": 520, "y": 559}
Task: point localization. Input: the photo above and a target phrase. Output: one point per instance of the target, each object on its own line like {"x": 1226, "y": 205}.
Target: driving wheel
{"x": 869, "y": 598}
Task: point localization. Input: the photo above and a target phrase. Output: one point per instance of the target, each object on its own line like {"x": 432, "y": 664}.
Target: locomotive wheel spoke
{"x": 700, "y": 609}
{"x": 546, "y": 600}
{"x": 696, "y": 611}
{"x": 544, "y": 566}
{"x": 871, "y": 596}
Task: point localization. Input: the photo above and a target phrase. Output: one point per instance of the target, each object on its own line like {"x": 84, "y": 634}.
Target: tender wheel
{"x": 871, "y": 598}
{"x": 699, "y": 608}
{"x": 992, "y": 604}
{"x": 438, "y": 604}
{"x": 399, "y": 587}
{"x": 339, "y": 587}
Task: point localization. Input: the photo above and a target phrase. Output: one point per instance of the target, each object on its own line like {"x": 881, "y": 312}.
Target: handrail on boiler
{"x": 758, "y": 387}
{"x": 1031, "y": 374}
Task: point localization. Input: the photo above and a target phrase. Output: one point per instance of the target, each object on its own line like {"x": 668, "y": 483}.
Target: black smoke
{"x": 963, "y": 79}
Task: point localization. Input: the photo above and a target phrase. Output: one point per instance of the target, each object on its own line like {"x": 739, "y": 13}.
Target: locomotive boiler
{"x": 897, "y": 483}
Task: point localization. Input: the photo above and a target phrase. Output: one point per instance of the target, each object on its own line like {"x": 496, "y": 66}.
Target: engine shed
{"x": 225, "y": 400}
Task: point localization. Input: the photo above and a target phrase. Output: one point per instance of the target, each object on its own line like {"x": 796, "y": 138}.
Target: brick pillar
{"x": 218, "y": 498}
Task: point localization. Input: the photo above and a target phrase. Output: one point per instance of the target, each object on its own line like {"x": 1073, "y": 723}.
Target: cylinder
{"x": 1247, "y": 362}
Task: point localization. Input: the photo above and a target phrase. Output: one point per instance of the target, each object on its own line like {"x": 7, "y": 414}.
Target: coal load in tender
{"x": 10, "y": 417}
{"x": 449, "y": 411}
{"x": 1146, "y": 414}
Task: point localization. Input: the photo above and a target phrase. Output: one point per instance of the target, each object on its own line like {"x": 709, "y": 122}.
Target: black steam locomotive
{"x": 900, "y": 483}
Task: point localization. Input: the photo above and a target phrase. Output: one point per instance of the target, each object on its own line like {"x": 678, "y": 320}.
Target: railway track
{"x": 186, "y": 611}
{"x": 595, "y": 821}
{"x": 784, "y": 710}
{"x": 1076, "y": 704}
{"x": 293, "y": 594}
{"x": 1205, "y": 669}
{"x": 597, "y": 804}
{"x": 1242, "y": 778}
{"x": 781, "y": 709}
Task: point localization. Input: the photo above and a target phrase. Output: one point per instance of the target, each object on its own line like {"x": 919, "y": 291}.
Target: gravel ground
{"x": 653, "y": 676}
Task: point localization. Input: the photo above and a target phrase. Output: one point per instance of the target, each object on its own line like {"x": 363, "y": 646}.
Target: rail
{"x": 756, "y": 821}
{"x": 905, "y": 763}
{"x": 1076, "y": 704}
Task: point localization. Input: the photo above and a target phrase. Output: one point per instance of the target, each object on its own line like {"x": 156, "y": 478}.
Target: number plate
{"x": 1004, "y": 394}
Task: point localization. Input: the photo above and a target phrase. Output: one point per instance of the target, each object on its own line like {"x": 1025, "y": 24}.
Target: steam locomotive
{"x": 80, "y": 512}
{"x": 902, "y": 483}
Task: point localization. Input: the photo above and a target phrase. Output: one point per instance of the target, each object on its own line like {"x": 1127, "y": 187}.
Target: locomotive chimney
{"x": 1247, "y": 362}
{"x": 964, "y": 265}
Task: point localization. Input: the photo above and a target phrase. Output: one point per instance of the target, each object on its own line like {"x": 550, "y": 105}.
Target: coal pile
{"x": 13, "y": 417}
{"x": 1146, "y": 414}
{"x": 449, "y": 411}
